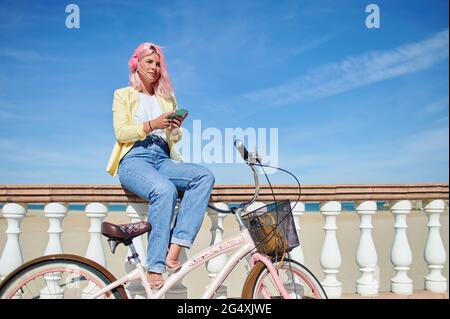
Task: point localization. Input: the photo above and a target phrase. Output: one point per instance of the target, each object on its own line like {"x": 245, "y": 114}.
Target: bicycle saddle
{"x": 123, "y": 234}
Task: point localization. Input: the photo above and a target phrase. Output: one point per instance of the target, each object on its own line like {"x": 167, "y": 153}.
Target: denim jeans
{"x": 147, "y": 171}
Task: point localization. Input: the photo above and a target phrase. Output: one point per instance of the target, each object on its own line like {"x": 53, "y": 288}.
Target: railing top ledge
{"x": 84, "y": 193}
{"x": 230, "y": 186}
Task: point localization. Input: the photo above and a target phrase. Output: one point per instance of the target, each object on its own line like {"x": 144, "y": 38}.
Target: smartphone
{"x": 179, "y": 112}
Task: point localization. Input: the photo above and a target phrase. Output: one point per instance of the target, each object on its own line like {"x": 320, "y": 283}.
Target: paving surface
{"x": 420, "y": 294}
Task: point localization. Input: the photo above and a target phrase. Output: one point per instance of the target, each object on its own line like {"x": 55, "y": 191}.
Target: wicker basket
{"x": 272, "y": 228}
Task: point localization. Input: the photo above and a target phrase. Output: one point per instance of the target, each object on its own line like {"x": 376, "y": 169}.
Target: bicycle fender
{"x": 250, "y": 280}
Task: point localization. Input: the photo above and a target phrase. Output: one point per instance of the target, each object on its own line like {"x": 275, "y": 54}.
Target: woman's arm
{"x": 125, "y": 131}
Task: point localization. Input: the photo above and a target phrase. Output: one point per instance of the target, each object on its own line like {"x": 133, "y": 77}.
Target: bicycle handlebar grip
{"x": 241, "y": 148}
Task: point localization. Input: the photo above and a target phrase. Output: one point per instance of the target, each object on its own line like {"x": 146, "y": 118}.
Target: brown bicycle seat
{"x": 126, "y": 232}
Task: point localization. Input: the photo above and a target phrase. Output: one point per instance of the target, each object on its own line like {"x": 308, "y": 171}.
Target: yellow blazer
{"x": 125, "y": 103}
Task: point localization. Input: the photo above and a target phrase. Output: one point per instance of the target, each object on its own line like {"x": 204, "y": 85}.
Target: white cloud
{"x": 20, "y": 54}
{"x": 433, "y": 140}
{"x": 354, "y": 72}
{"x": 27, "y": 160}
{"x": 307, "y": 45}
{"x": 25, "y": 55}
{"x": 29, "y": 153}
{"x": 437, "y": 106}
{"x": 422, "y": 156}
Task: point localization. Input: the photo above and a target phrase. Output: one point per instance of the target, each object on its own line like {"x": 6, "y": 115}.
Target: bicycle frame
{"x": 241, "y": 241}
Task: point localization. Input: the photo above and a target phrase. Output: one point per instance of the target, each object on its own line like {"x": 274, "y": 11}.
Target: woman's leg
{"x": 141, "y": 178}
{"x": 197, "y": 182}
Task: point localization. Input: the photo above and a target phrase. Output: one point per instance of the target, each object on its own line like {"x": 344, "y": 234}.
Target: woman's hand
{"x": 176, "y": 122}
{"x": 162, "y": 121}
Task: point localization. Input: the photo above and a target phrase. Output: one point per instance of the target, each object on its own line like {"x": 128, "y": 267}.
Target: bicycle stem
{"x": 243, "y": 206}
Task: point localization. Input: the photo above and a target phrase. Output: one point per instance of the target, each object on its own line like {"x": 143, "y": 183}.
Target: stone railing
{"x": 399, "y": 199}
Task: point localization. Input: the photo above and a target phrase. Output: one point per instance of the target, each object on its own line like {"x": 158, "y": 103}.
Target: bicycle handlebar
{"x": 251, "y": 160}
{"x": 241, "y": 148}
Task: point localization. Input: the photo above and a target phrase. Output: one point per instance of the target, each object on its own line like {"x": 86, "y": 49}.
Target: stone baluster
{"x": 297, "y": 212}
{"x": 215, "y": 265}
{"x": 435, "y": 256}
{"x": 55, "y": 212}
{"x": 253, "y": 206}
{"x": 292, "y": 287}
{"x": 401, "y": 255}
{"x": 136, "y": 212}
{"x": 96, "y": 212}
{"x": 12, "y": 254}
{"x": 330, "y": 257}
{"x": 178, "y": 290}
{"x": 366, "y": 256}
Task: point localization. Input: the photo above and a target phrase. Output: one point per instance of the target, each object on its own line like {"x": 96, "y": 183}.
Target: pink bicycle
{"x": 265, "y": 238}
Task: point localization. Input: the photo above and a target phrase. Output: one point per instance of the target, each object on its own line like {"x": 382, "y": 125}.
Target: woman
{"x": 142, "y": 156}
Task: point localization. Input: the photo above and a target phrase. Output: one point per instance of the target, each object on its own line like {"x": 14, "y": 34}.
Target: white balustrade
{"x": 55, "y": 212}
{"x": 434, "y": 250}
{"x": 297, "y": 211}
{"x": 12, "y": 253}
{"x": 136, "y": 212}
{"x": 252, "y": 207}
{"x": 178, "y": 290}
{"x": 330, "y": 257}
{"x": 215, "y": 265}
{"x": 366, "y": 256}
{"x": 401, "y": 255}
{"x": 96, "y": 212}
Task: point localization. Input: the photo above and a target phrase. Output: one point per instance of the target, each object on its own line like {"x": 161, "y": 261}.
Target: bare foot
{"x": 172, "y": 263}
{"x": 155, "y": 280}
{"x": 172, "y": 259}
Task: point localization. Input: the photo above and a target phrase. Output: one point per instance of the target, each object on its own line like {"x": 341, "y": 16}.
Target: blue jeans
{"x": 147, "y": 171}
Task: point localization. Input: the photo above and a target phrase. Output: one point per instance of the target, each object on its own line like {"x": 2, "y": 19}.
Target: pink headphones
{"x": 133, "y": 62}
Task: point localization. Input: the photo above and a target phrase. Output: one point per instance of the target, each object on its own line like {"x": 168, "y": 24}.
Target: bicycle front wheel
{"x": 59, "y": 277}
{"x": 298, "y": 281}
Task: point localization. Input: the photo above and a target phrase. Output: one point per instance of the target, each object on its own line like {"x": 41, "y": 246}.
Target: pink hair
{"x": 163, "y": 87}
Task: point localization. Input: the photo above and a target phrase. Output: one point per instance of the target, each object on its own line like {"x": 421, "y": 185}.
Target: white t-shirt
{"x": 147, "y": 110}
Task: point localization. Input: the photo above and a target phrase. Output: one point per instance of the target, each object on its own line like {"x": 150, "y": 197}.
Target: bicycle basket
{"x": 272, "y": 228}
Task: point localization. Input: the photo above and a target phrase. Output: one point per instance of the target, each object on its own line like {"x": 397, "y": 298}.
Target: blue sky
{"x": 351, "y": 104}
